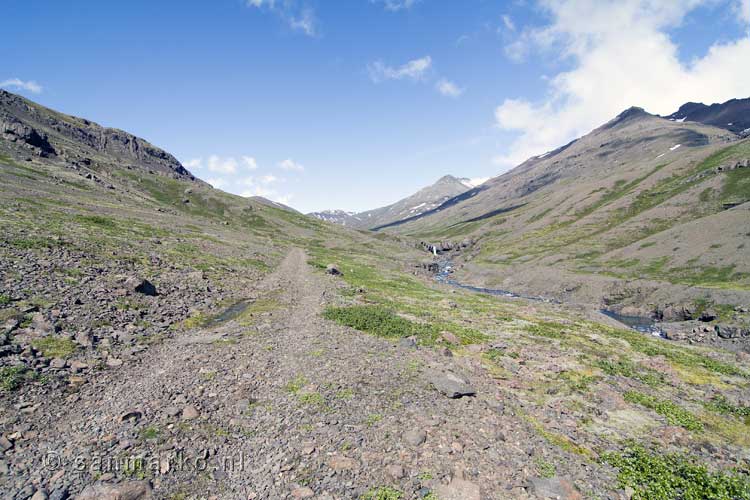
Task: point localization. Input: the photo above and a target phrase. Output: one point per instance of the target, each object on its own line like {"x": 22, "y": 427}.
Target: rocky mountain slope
{"x": 405, "y": 209}
{"x": 163, "y": 339}
{"x": 644, "y": 212}
{"x": 43, "y": 132}
{"x": 732, "y": 115}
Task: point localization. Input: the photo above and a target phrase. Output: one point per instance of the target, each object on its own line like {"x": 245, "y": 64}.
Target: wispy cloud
{"x": 292, "y": 165}
{"x": 298, "y": 17}
{"x": 250, "y": 162}
{"x": 18, "y": 84}
{"x": 448, "y": 88}
{"x": 415, "y": 69}
{"x": 222, "y": 165}
{"x": 396, "y": 5}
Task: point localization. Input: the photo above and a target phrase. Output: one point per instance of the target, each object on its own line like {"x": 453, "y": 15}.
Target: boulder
{"x": 678, "y": 312}
{"x": 333, "y": 270}
{"x": 458, "y": 489}
{"x": 128, "y": 490}
{"x": 731, "y": 332}
{"x": 451, "y": 385}
{"x": 140, "y": 285}
{"x": 553, "y": 487}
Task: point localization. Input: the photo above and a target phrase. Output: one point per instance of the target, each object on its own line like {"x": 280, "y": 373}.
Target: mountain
{"x": 732, "y": 115}
{"x": 143, "y": 310}
{"x": 642, "y": 210}
{"x": 407, "y": 208}
{"x": 341, "y": 217}
{"x": 46, "y": 133}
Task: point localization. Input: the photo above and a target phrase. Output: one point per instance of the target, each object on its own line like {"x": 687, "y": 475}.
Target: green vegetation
{"x": 659, "y": 476}
{"x": 295, "y": 385}
{"x": 13, "y": 377}
{"x": 383, "y": 493}
{"x": 149, "y": 433}
{"x": 4, "y": 300}
{"x": 548, "y": 329}
{"x": 628, "y": 369}
{"x": 383, "y": 322}
{"x": 54, "y": 347}
{"x": 675, "y": 415}
{"x": 311, "y": 398}
{"x": 720, "y": 404}
{"x": 544, "y": 468}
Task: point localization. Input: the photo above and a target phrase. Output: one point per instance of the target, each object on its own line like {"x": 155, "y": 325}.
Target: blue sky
{"x": 354, "y": 104}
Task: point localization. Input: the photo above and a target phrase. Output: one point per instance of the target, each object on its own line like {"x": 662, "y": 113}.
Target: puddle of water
{"x": 637, "y": 323}
{"x": 230, "y": 312}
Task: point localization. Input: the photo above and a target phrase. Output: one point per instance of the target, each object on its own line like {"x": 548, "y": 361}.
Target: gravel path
{"x": 288, "y": 405}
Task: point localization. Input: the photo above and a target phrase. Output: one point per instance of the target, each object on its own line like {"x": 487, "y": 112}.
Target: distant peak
{"x": 630, "y": 114}
{"x": 446, "y": 178}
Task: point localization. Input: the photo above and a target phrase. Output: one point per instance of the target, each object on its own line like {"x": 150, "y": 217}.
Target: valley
{"x": 164, "y": 339}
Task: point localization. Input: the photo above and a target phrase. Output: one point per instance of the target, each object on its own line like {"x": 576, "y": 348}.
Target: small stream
{"x": 638, "y": 323}
{"x": 230, "y": 312}
{"x": 445, "y": 269}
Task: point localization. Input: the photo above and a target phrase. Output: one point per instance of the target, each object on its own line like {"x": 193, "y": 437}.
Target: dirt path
{"x": 287, "y": 405}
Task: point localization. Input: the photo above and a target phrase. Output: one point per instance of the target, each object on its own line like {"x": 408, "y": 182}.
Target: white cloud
{"x": 304, "y": 22}
{"x": 290, "y": 164}
{"x": 193, "y": 163}
{"x": 250, "y": 162}
{"x": 621, "y": 56}
{"x": 268, "y": 179}
{"x": 474, "y": 181}
{"x": 221, "y": 165}
{"x": 412, "y": 70}
{"x": 298, "y": 18}
{"x": 396, "y": 5}
{"x": 743, "y": 6}
{"x": 448, "y": 88}
{"x": 18, "y": 84}
{"x": 270, "y": 194}
{"x": 217, "y": 183}
{"x": 508, "y": 23}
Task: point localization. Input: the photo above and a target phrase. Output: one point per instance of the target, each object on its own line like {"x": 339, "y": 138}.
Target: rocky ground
{"x": 162, "y": 339}
{"x": 282, "y": 404}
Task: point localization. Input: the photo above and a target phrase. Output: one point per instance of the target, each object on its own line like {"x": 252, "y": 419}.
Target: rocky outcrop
{"x": 15, "y": 131}
{"x": 78, "y": 140}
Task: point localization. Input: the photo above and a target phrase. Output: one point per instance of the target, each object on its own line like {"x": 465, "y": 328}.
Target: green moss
{"x": 54, "y": 347}
{"x": 675, "y": 415}
{"x": 383, "y": 493}
{"x": 4, "y": 300}
{"x": 660, "y": 476}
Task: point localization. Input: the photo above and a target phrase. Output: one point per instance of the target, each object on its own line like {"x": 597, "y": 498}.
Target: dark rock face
{"x": 77, "y": 139}
{"x": 733, "y": 115}
{"x": 15, "y": 131}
